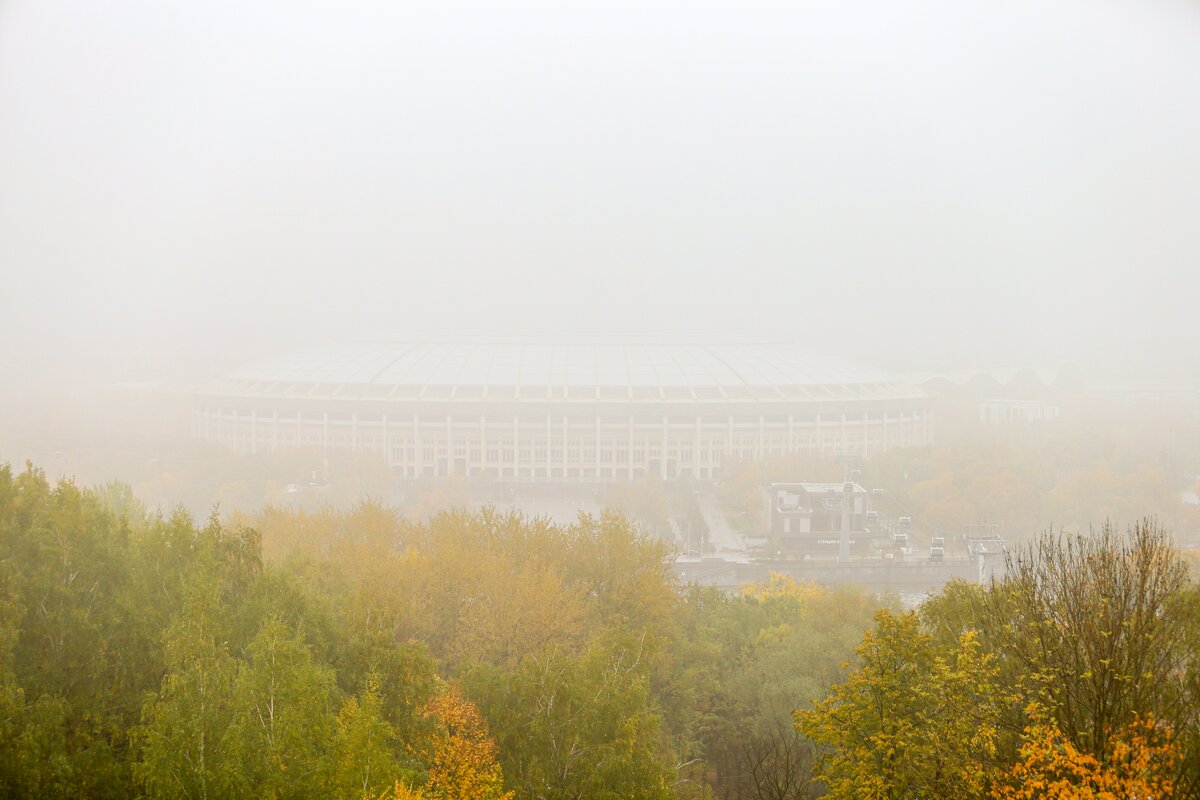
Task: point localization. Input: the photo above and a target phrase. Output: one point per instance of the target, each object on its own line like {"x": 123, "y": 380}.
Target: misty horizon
{"x": 187, "y": 190}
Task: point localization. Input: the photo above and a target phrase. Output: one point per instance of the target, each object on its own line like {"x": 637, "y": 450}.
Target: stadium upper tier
{"x": 563, "y": 408}
{"x": 562, "y": 370}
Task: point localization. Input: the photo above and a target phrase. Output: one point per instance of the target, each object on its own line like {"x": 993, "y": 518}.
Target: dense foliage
{"x": 1076, "y": 676}
{"x": 357, "y": 654}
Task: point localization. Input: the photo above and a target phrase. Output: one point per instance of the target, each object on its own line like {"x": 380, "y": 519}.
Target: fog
{"x": 920, "y": 185}
{"x": 640, "y": 399}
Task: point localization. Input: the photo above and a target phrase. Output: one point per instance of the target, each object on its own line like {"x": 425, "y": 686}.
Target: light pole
{"x": 849, "y": 468}
{"x": 844, "y": 544}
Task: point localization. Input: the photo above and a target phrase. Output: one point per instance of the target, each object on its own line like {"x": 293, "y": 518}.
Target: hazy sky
{"x": 188, "y": 185}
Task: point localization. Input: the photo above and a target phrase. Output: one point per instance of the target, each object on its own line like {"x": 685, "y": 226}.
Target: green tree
{"x": 284, "y": 719}
{"x": 1099, "y": 629}
{"x": 907, "y": 723}
{"x": 365, "y": 763}
{"x": 188, "y": 744}
{"x": 34, "y": 761}
{"x": 577, "y": 726}
{"x": 73, "y": 641}
{"x": 735, "y": 668}
{"x": 1066, "y": 638}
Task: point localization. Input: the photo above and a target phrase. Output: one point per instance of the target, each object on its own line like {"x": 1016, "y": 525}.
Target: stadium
{"x": 563, "y": 409}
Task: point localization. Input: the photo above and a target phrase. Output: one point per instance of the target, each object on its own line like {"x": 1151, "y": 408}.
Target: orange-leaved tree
{"x": 461, "y": 757}
{"x": 1138, "y": 764}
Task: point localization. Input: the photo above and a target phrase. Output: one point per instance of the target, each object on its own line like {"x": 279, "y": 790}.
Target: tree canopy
{"x": 361, "y": 654}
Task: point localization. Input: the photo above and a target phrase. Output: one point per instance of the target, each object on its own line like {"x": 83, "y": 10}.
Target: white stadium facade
{"x": 563, "y": 409}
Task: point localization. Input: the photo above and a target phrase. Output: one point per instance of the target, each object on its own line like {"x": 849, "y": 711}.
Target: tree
{"x": 1139, "y": 762}
{"x": 906, "y": 723}
{"x": 574, "y": 726}
{"x": 34, "y": 759}
{"x": 1095, "y": 625}
{"x": 462, "y": 757}
{"x": 780, "y": 765}
{"x": 64, "y": 570}
{"x": 364, "y": 757}
{"x": 735, "y": 667}
{"x": 284, "y": 715}
{"x": 185, "y": 744}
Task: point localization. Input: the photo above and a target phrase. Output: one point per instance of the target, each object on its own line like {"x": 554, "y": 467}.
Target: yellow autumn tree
{"x": 402, "y": 791}
{"x": 461, "y": 757}
{"x": 780, "y": 586}
{"x": 1137, "y": 765}
{"x": 908, "y": 722}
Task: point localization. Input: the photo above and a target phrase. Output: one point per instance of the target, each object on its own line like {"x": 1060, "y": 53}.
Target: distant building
{"x": 998, "y": 412}
{"x": 988, "y": 550}
{"x": 1182, "y": 395}
{"x": 806, "y": 518}
{"x": 563, "y": 409}
{"x": 1003, "y": 402}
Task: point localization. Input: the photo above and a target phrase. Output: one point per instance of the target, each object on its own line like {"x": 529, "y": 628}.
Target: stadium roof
{"x": 465, "y": 368}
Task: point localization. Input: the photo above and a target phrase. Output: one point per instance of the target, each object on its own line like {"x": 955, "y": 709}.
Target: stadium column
{"x": 516, "y": 446}
{"x": 597, "y": 462}
{"x": 729, "y": 437}
{"x": 820, "y": 437}
{"x": 696, "y": 450}
{"x": 548, "y": 449}
{"x": 483, "y": 445}
{"x": 662, "y": 459}
{"x": 325, "y": 430}
{"x": 387, "y": 441}
{"x": 564, "y": 447}
{"x": 762, "y": 437}
{"x": 419, "y": 452}
{"x": 629, "y": 452}
{"x": 791, "y": 442}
